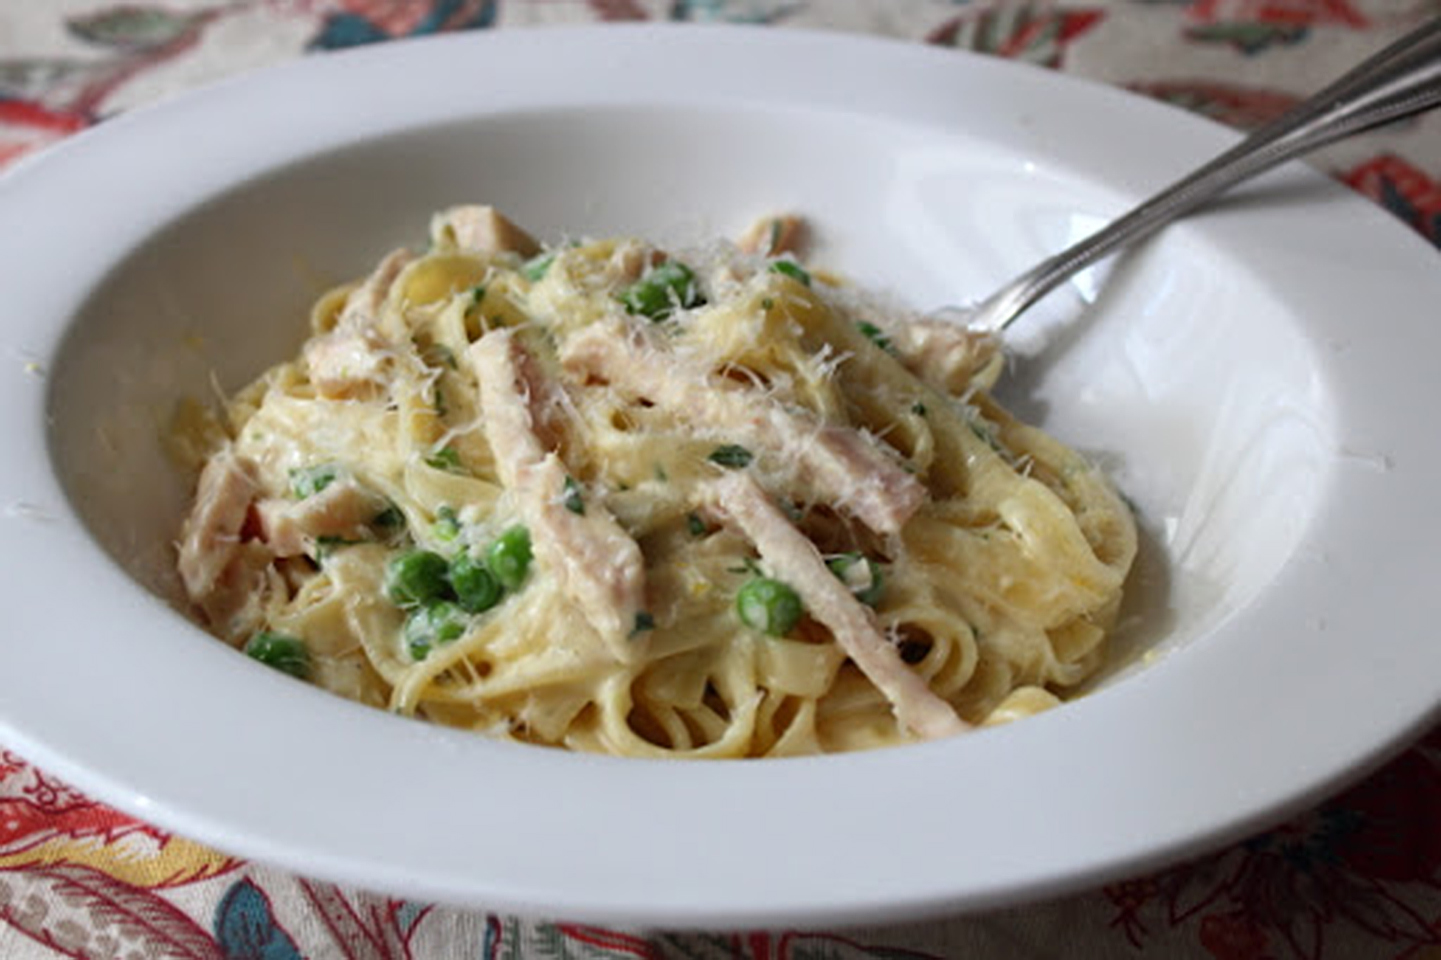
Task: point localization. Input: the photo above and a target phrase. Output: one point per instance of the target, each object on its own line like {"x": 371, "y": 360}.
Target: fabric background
{"x": 1357, "y": 877}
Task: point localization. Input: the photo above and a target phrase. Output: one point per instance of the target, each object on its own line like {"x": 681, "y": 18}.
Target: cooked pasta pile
{"x": 615, "y": 498}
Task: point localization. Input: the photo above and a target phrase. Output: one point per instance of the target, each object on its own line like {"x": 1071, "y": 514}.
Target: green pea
{"x": 283, "y": 653}
{"x": 509, "y": 557}
{"x": 769, "y": 606}
{"x": 789, "y": 268}
{"x": 661, "y": 291}
{"x": 861, "y": 575}
{"x": 477, "y": 589}
{"x": 416, "y": 577}
{"x": 308, "y": 481}
{"x": 433, "y": 624}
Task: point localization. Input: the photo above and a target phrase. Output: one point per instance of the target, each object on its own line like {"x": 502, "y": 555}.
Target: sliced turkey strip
{"x": 344, "y": 510}
{"x": 481, "y": 229}
{"x": 791, "y": 557}
{"x": 838, "y": 463}
{"x": 223, "y": 574}
{"x": 943, "y": 354}
{"x": 211, "y": 535}
{"x": 598, "y": 563}
{"x": 348, "y": 362}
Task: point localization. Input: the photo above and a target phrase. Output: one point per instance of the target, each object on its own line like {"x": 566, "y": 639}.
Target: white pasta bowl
{"x": 1255, "y": 381}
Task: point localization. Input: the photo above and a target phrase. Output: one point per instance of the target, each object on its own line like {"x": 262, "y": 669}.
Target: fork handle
{"x": 1401, "y": 80}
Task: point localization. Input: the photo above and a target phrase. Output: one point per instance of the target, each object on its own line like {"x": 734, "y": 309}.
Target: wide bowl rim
{"x": 883, "y": 875}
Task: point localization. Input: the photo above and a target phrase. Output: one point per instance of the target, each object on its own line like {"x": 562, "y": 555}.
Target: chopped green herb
{"x": 280, "y": 652}
{"x": 537, "y": 267}
{"x": 643, "y": 622}
{"x": 789, "y": 268}
{"x": 875, "y": 335}
{"x": 861, "y": 575}
{"x": 696, "y": 525}
{"x": 748, "y": 565}
{"x": 918, "y": 408}
{"x": 477, "y": 294}
{"x": 447, "y": 525}
{"x": 416, "y": 577}
{"x": 438, "y": 401}
{"x": 308, "y": 481}
{"x": 767, "y": 303}
{"x": 731, "y": 455}
{"x": 435, "y": 623}
{"x": 663, "y": 290}
{"x": 446, "y": 458}
{"x": 438, "y": 354}
{"x": 327, "y": 545}
{"x": 477, "y": 588}
{"x": 509, "y": 557}
{"x": 574, "y": 497}
{"x": 984, "y": 434}
{"x": 391, "y": 518}
{"x": 769, "y": 606}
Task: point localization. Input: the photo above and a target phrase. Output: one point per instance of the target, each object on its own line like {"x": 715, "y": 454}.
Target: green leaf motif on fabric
{"x": 133, "y": 27}
{"x": 35, "y": 78}
{"x": 245, "y": 925}
{"x": 1249, "y": 38}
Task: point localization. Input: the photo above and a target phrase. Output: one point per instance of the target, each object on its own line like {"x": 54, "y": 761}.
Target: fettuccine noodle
{"x": 617, "y": 499}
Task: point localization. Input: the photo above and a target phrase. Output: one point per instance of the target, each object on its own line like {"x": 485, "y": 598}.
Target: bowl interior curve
{"x": 1201, "y": 398}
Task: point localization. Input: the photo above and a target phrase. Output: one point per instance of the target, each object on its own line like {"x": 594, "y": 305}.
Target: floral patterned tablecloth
{"x": 1357, "y": 877}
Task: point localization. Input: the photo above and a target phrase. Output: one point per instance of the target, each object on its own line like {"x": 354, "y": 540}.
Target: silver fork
{"x": 1401, "y": 80}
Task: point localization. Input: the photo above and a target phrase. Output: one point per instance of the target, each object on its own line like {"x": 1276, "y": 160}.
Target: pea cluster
{"x": 441, "y": 595}
{"x": 664, "y": 289}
